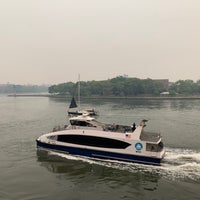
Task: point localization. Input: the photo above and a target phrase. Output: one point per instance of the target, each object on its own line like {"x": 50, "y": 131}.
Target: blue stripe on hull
{"x": 101, "y": 154}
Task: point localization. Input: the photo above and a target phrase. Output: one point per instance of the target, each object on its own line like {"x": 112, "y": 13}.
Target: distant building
{"x": 125, "y": 75}
{"x": 164, "y": 82}
{"x": 164, "y": 94}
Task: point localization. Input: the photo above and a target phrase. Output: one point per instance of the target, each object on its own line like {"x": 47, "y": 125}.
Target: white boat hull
{"x": 128, "y": 153}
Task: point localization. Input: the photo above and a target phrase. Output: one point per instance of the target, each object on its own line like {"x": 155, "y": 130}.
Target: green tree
{"x": 118, "y": 86}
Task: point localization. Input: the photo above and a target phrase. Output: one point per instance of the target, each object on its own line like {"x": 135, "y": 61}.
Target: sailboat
{"x": 76, "y": 112}
{"x": 74, "y": 108}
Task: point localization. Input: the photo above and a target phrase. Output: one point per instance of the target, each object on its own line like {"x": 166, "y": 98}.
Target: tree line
{"x": 185, "y": 87}
{"x": 13, "y": 88}
{"x": 121, "y": 86}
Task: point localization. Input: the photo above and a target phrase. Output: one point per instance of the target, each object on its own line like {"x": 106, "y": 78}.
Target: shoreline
{"x": 108, "y": 97}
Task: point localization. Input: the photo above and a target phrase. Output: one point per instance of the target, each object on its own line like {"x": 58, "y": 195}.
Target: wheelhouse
{"x": 85, "y": 121}
{"x": 154, "y": 147}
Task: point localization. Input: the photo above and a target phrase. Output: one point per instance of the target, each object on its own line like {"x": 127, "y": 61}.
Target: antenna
{"x": 79, "y": 91}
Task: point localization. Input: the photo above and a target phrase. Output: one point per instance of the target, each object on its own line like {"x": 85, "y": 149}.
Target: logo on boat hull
{"x": 138, "y": 146}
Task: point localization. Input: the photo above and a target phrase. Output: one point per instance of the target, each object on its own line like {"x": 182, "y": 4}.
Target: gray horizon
{"x": 50, "y": 42}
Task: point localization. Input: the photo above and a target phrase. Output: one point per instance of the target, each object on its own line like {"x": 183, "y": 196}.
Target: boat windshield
{"x": 154, "y": 147}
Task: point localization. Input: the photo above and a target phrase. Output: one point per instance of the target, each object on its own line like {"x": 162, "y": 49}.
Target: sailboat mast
{"x": 79, "y": 93}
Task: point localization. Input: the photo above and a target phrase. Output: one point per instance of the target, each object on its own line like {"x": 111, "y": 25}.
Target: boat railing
{"x": 85, "y": 127}
{"x": 117, "y": 128}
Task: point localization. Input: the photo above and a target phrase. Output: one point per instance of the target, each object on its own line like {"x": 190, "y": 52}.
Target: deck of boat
{"x": 149, "y": 136}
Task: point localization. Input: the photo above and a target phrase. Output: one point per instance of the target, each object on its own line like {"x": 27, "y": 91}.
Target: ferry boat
{"x": 87, "y": 137}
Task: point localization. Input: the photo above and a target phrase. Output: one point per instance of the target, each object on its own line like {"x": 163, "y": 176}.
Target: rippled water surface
{"x": 28, "y": 173}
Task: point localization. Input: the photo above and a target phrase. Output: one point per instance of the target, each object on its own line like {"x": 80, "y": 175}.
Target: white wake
{"x": 178, "y": 164}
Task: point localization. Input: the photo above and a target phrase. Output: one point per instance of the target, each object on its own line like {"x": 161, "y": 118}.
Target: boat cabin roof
{"x": 82, "y": 118}
{"x": 88, "y": 121}
{"x": 85, "y": 120}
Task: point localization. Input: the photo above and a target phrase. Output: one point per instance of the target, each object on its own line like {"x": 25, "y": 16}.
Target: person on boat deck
{"x": 134, "y": 126}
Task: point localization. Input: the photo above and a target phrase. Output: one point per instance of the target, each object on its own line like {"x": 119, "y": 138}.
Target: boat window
{"x": 152, "y": 147}
{"x": 73, "y": 122}
{"x": 93, "y": 141}
{"x": 81, "y": 123}
{"x": 160, "y": 146}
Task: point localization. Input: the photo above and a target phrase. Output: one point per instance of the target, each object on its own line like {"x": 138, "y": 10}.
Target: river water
{"x": 28, "y": 174}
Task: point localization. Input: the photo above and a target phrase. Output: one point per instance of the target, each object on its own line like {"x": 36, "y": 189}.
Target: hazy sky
{"x": 52, "y": 41}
